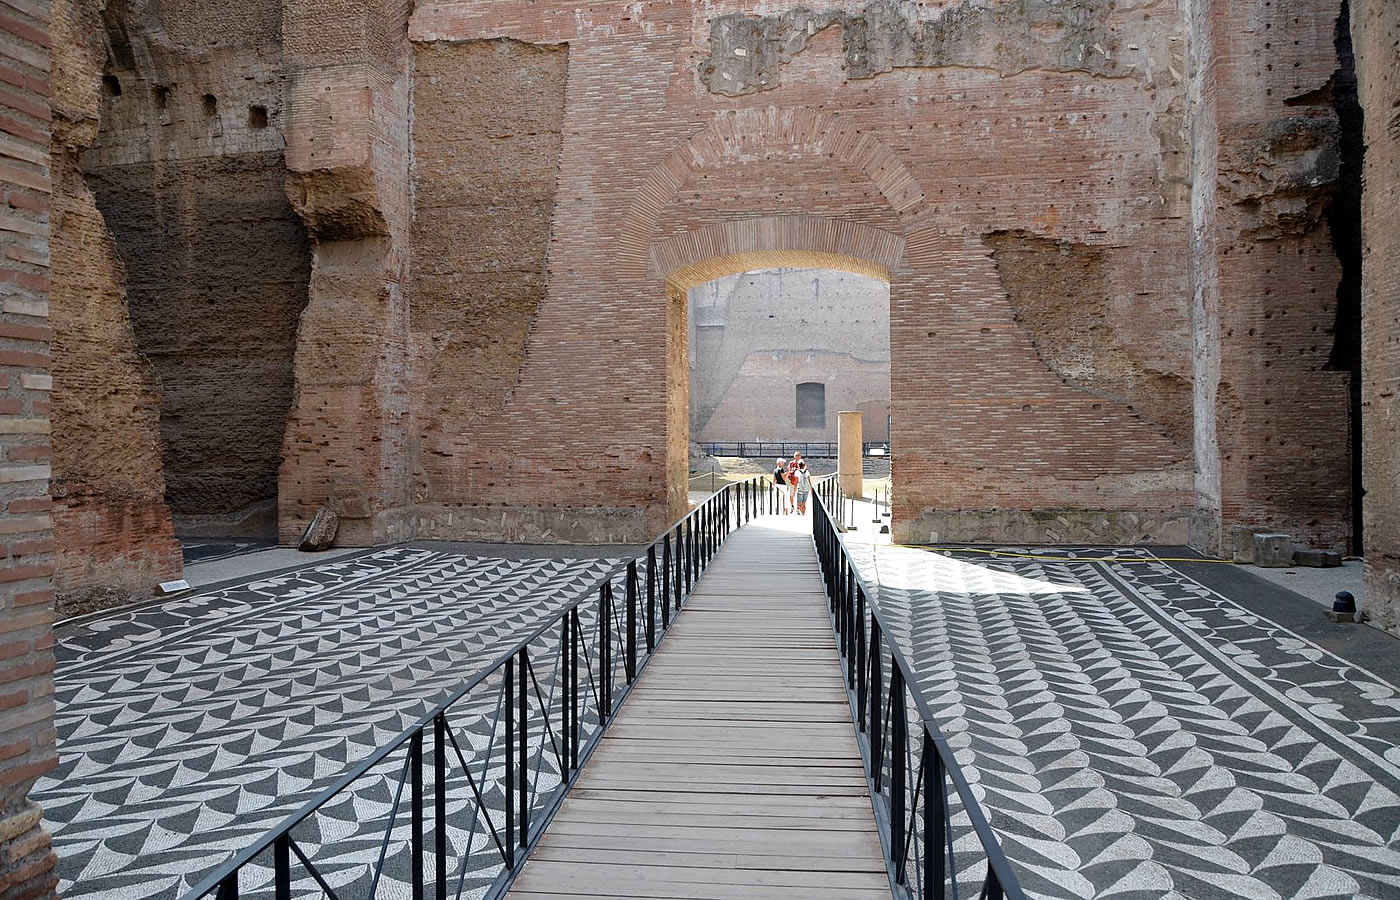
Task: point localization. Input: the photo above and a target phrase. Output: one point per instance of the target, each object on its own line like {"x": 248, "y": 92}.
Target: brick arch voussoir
{"x": 748, "y": 131}
{"x": 703, "y": 254}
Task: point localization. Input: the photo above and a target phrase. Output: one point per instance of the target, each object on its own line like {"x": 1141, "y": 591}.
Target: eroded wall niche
{"x": 189, "y": 173}
{"x": 487, "y": 136}
{"x": 111, "y": 525}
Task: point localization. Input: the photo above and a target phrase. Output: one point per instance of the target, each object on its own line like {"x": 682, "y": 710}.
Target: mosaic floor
{"x": 1134, "y": 734}
{"x": 189, "y": 729}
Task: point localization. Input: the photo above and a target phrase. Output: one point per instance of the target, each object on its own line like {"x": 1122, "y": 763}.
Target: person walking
{"x": 803, "y": 488}
{"x": 780, "y": 484}
{"x": 792, "y": 484}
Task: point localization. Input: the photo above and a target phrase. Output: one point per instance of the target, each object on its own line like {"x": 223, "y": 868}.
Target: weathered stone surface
{"x": 1243, "y": 540}
{"x": 1274, "y": 551}
{"x": 1376, "y": 32}
{"x": 1317, "y": 559}
{"x": 320, "y": 533}
{"x": 111, "y": 525}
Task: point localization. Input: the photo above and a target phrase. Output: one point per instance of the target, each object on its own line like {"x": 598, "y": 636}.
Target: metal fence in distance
{"x": 922, "y": 799}
{"x": 785, "y": 449}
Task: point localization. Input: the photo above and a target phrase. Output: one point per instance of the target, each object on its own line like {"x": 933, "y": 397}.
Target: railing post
{"x": 861, "y": 675}
{"x": 605, "y": 653}
{"x": 877, "y": 705}
{"x": 509, "y": 703}
{"x": 651, "y": 598}
{"x": 666, "y": 582}
{"x": 899, "y": 746}
{"x": 690, "y": 572}
{"x": 630, "y": 646}
{"x": 565, "y": 696}
{"x": 573, "y": 687}
{"x": 935, "y": 822}
{"x": 415, "y": 765}
{"x": 282, "y": 867}
{"x": 228, "y": 888}
{"x": 440, "y": 803}
{"x": 523, "y": 783}
{"x": 851, "y": 623}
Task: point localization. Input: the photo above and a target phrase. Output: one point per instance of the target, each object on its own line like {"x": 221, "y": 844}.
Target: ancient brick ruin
{"x": 429, "y": 268}
{"x": 427, "y": 263}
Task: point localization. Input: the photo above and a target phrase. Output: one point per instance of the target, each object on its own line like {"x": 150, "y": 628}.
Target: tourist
{"x": 804, "y": 488}
{"x": 780, "y": 484}
{"x": 792, "y": 483}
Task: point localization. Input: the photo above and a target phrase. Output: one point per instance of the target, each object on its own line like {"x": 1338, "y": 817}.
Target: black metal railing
{"x": 451, "y": 807}
{"x": 909, "y": 764}
{"x": 785, "y": 449}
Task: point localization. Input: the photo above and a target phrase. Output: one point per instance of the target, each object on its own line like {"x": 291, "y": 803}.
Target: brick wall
{"x": 1271, "y": 417}
{"x": 26, "y": 545}
{"x": 754, "y": 337}
{"x": 1376, "y": 36}
{"x": 658, "y": 144}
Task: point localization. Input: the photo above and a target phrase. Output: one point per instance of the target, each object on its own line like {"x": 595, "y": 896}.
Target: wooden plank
{"x": 733, "y": 770}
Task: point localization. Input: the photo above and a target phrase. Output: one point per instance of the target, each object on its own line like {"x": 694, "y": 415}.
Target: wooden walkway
{"x": 732, "y": 771}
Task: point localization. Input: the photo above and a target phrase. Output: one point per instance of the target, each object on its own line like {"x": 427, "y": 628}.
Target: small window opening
{"x": 257, "y": 116}
{"x": 811, "y": 405}
{"x": 211, "y": 105}
{"x": 162, "y": 96}
{"x": 111, "y": 86}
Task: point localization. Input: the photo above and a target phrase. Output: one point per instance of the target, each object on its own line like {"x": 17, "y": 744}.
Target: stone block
{"x": 1273, "y": 550}
{"x": 1317, "y": 559}
{"x": 321, "y": 532}
{"x": 1244, "y": 543}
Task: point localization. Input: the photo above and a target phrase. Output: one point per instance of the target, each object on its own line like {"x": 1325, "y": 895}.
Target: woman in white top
{"x": 804, "y": 487}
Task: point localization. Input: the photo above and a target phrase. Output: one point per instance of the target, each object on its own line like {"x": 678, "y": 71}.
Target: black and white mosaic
{"x": 1132, "y": 733}
{"x": 188, "y": 730}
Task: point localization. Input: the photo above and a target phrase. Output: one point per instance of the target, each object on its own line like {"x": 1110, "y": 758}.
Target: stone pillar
{"x": 1375, "y": 29}
{"x": 848, "y": 453}
{"x": 26, "y": 550}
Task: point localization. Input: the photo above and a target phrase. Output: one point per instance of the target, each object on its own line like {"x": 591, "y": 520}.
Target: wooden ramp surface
{"x": 732, "y": 770}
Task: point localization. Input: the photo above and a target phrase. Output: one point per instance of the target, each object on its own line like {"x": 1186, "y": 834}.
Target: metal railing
{"x": 773, "y": 449}
{"x": 908, "y": 762}
{"x": 452, "y": 806}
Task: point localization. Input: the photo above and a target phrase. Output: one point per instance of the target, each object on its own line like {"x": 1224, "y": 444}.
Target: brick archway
{"x": 817, "y": 242}
{"x": 791, "y": 133}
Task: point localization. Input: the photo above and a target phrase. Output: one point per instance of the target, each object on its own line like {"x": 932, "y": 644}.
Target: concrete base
{"x": 538, "y": 524}
{"x": 1053, "y": 526}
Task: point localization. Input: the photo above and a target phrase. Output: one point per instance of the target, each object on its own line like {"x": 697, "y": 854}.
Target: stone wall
{"x": 350, "y": 440}
{"x": 755, "y": 336}
{"x": 711, "y": 128}
{"x": 1271, "y": 416}
{"x": 111, "y": 524}
{"x": 188, "y": 172}
{"x": 1375, "y": 26}
{"x": 27, "y": 548}
{"x": 1112, "y": 286}
{"x": 487, "y": 135}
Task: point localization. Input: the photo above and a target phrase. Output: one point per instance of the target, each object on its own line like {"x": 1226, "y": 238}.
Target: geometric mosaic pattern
{"x": 1131, "y": 733}
{"x": 187, "y": 730}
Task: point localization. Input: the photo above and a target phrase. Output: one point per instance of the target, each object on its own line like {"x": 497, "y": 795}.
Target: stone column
{"x": 1375, "y": 28}
{"x": 848, "y": 453}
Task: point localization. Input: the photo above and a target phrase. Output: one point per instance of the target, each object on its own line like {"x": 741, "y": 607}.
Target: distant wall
{"x": 757, "y": 335}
